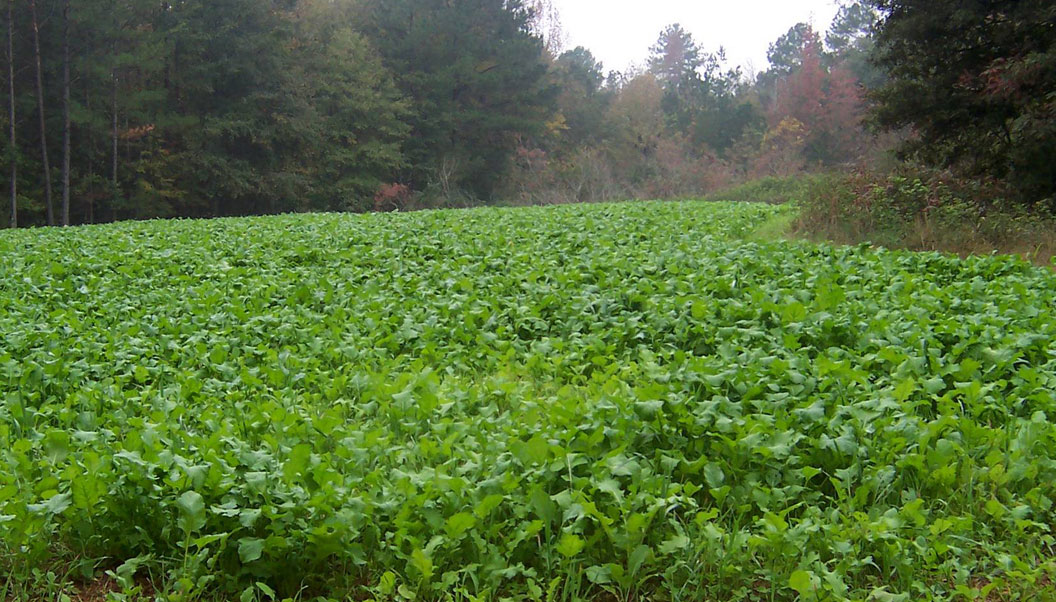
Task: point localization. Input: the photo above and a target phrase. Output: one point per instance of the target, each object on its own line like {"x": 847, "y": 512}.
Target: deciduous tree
{"x": 825, "y": 103}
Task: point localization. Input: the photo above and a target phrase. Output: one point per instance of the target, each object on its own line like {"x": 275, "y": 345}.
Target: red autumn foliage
{"x": 827, "y": 103}
{"x": 392, "y": 197}
{"x": 801, "y": 95}
{"x": 844, "y": 108}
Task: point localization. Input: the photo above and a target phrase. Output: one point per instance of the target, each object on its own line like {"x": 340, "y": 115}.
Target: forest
{"x": 141, "y": 109}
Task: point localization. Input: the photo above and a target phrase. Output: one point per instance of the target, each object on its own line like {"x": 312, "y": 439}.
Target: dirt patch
{"x": 96, "y": 590}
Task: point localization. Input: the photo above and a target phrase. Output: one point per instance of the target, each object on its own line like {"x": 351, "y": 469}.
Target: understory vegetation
{"x": 586, "y": 402}
{"x": 918, "y": 209}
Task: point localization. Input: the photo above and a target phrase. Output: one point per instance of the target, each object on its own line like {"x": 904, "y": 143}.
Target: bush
{"x": 926, "y": 210}
{"x": 772, "y": 190}
{"x": 667, "y": 169}
{"x": 393, "y": 197}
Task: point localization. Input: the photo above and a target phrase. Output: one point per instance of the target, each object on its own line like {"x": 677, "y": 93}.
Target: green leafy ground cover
{"x": 606, "y": 402}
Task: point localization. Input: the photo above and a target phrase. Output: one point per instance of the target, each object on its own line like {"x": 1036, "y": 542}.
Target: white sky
{"x": 620, "y": 32}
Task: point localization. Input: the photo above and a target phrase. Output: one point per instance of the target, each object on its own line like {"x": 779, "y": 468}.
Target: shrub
{"x": 926, "y": 210}
{"x": 393, "y": 197}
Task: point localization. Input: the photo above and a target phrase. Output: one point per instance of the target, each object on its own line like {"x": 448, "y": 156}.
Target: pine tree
{"x": 976, "y": 82}
{"x": 700, "y": 97}
{"x": 45, "y": 164}
{"x": 476, "y": 75}
{"x": 675, "y": 58}
{"x": 66, "y": 113}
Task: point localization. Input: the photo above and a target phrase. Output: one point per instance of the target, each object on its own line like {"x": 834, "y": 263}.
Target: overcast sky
{"x": 620, "y": 32}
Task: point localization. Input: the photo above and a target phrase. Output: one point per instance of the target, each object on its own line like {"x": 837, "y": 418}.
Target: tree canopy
{"x": 976, "y": 84}
{"x": 142, "y": 109}
{"x": 476, "y": 76}
{"x": 244, "y": 106}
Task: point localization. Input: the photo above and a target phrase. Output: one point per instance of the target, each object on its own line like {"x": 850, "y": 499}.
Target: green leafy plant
{"x": 573, "y": 403}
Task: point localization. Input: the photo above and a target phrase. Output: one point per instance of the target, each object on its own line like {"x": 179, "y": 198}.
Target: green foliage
{"x": 211, "y": 108}
{"x": 852, "y": 27}
{"x": 851, "y": 42}
{"x": 583, "y": 99}
{"x": 785, "y": 54}
{"x": 245, "y": 107}
{"x": 585, "y": 402}
{"x": 701, "y": 97}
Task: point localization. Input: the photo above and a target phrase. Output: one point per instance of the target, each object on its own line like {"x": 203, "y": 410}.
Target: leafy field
{"x": 606, "y": 402}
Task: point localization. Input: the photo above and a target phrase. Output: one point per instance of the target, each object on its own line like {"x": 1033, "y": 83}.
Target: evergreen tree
{"x": 583, "y": 98}
{"x": 12, "y": 149}
{"x": 476, "y": 75}
{"x": 676, "y": 58}
{"x": 701, "y": 99}
{"x": 976, "y": 82}
{"x": 42, "y": 113}
{"x": 852, "y": 28}
{"x": 785, "y": 54}
{"x": 354, "y": 119}
{"x": 851, "y": 42}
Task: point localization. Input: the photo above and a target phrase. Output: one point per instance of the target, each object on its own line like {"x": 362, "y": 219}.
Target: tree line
{"x": 147, "y": 108}
{"x": 195, "y": 108}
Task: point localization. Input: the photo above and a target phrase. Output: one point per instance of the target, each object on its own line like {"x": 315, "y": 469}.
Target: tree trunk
{"x": 11, "y": 112}
{"x": 90, "y": 145}
{"x": 40, "y": 109}
{"x": 66, "y": 113}
{"x": 113, "y": 132}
